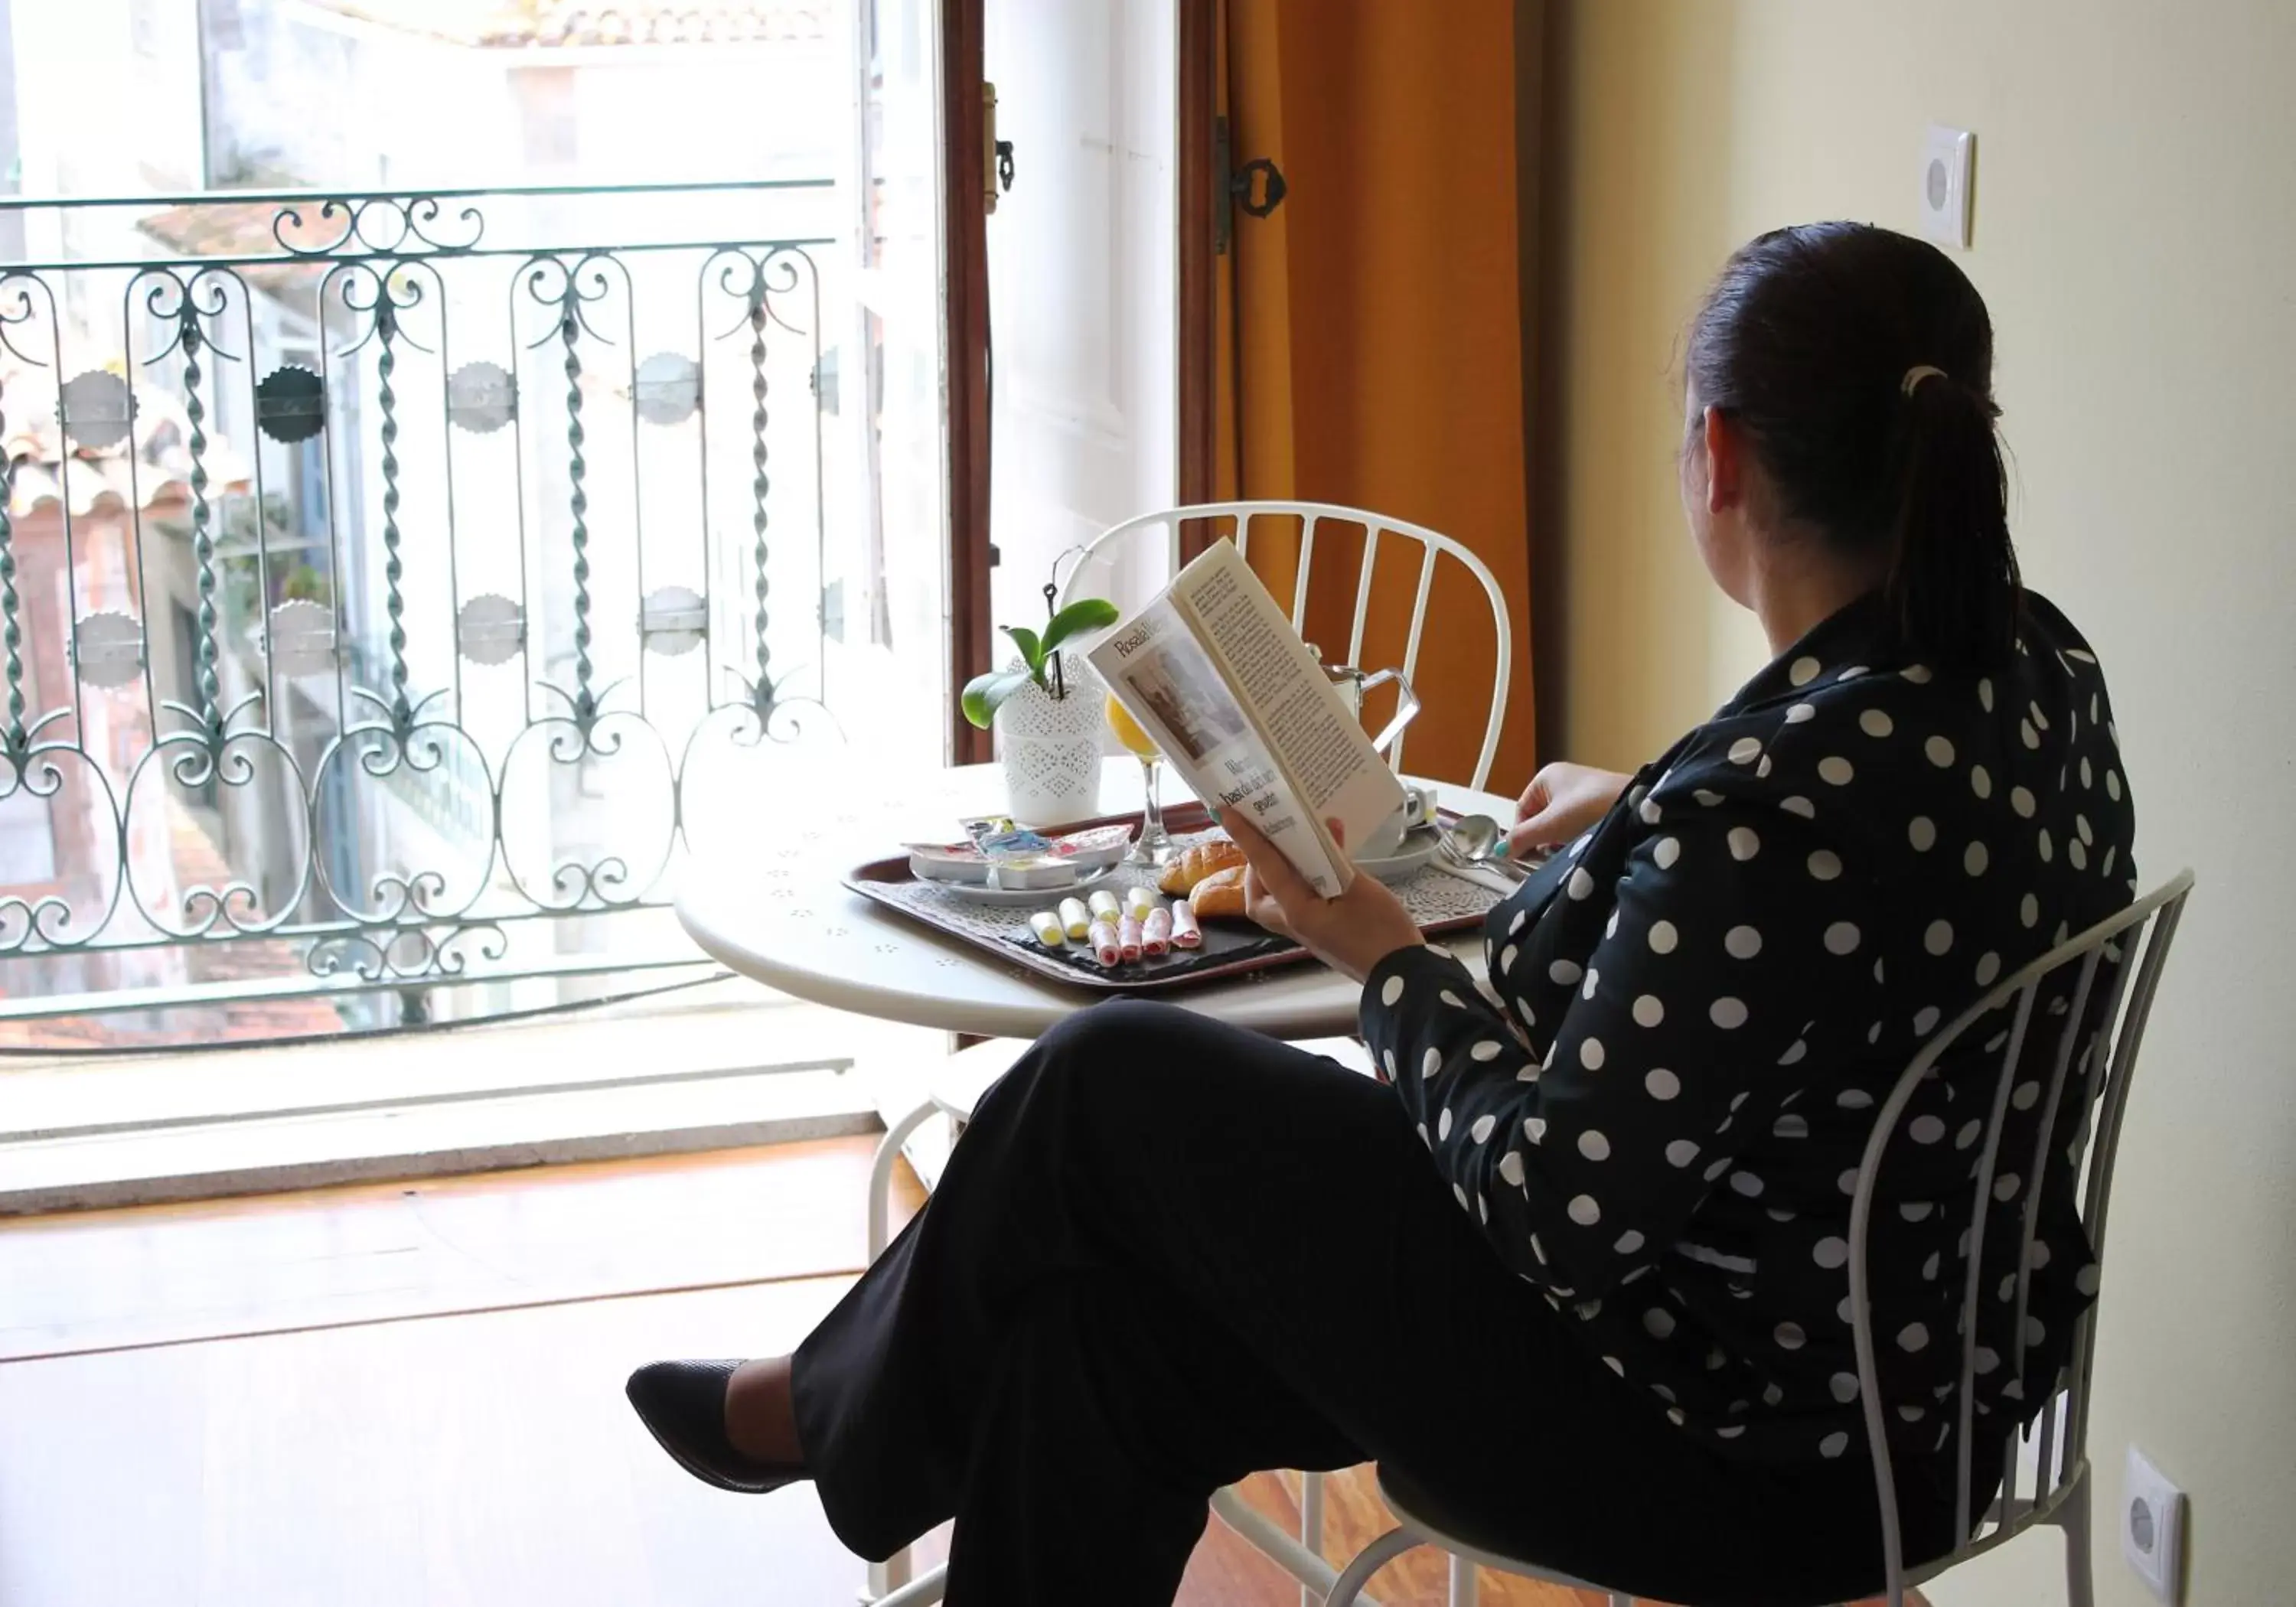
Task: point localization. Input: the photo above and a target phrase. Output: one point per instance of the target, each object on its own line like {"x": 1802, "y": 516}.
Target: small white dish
{"x": 1027, "y": 897}
{"x": 1092, "y": 848}
{"x": 1414, "y": 854}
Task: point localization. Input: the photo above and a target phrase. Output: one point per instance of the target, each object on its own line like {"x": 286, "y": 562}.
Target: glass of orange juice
{"x": 1154, "y": 845}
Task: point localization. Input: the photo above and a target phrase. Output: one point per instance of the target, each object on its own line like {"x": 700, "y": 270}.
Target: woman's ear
{"x": 1725, "y": 460}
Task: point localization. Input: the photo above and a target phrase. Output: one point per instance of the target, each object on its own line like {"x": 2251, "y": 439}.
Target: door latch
{"x": 1256, "y": 186}
{"x": 997, "y": 155}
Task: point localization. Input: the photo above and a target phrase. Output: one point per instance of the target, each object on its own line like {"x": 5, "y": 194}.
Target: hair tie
{"x": 1915, "y": 375}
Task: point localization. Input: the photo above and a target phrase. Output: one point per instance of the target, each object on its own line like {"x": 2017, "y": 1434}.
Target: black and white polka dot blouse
{"x": 1657, "y": 1110}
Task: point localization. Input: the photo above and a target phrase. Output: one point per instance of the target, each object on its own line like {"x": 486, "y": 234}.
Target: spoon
{"x": 1477, "y": 841}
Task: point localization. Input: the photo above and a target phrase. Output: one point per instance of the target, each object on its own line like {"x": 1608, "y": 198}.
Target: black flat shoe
{"x": 683, "y": 1404}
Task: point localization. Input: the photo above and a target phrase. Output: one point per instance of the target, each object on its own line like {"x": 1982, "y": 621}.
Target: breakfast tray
{"x": 1440, "y": 901}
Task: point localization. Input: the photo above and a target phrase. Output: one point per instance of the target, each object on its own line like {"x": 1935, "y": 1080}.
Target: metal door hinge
{"x": 1232, "y": 187}
{"x": 997, "y": 155}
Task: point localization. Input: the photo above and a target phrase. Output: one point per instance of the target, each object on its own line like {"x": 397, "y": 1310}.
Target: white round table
{"x": 779, "y": 911}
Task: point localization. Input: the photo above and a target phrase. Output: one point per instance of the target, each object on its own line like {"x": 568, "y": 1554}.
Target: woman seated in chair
{"x": 1577, "y": 1276}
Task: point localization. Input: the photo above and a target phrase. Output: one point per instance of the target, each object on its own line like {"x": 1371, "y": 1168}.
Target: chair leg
{"x": 880, "y": 1177}
{"x": 1276, "y": 1543}
{"x": 893, "y": 1573}
{"x": 2072, "y": 1517}
{"x": 1311, "y": 1527}
{"x": 883, "y": 1578}
{"x": 1464, "y": 1584}
{"x": 1369, "y": 1561}
{"x": 929, "y": 1587}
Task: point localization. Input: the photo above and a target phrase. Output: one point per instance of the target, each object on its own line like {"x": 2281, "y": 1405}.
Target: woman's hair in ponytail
{"x": 1859, "y": 362}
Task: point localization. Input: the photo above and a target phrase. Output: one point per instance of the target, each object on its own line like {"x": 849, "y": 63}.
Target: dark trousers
{"x": 1166, "y": 1254}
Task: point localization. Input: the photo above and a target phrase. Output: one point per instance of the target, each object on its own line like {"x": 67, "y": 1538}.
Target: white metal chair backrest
{"x": 2094, "y": 1057}
{"x": 1275, "y": 520}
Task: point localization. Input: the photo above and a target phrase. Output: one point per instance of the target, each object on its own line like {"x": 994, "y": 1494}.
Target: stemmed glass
{"x": 1154, "y": 844}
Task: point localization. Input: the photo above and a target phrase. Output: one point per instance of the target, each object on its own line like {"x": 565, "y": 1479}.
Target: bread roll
{"x": 1197, "y": 861}
{"x": 1220, "y": 896}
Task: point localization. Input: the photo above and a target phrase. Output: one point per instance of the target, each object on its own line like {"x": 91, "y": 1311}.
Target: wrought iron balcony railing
{"x": 381, "y": 575}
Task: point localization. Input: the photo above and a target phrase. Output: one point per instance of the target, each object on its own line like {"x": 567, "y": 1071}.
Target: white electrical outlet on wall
{"x": 2153, "y": 1527}
{"x": 1947, "y": 157}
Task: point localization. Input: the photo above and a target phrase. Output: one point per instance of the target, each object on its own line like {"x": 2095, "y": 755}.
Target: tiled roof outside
{"x": 542, "y": 24}
{"x": 47, "y": 468}
{"x": 244, "y": 229}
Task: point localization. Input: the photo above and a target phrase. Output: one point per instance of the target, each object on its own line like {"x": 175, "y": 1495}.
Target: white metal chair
{"x": 1129, "y": 563}
{"x": 2098, "y": 1065}
{"x": 1105, "y": 564}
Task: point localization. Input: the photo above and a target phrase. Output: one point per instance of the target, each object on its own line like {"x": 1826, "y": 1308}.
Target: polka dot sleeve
{"x": 1583, "y": 1120}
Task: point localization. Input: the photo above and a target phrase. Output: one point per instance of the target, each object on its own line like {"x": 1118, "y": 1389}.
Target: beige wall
{"x": 2136, "y": 236}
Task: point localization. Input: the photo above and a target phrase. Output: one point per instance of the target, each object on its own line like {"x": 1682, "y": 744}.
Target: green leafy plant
{"x": 984, "y": 694}
{"x": 304, "y": 584}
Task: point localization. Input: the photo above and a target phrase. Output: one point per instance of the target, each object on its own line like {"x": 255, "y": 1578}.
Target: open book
{"x": 1215, "y": 673}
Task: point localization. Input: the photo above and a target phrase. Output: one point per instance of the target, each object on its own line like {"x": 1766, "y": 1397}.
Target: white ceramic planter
{"x": 1051, "y": 748}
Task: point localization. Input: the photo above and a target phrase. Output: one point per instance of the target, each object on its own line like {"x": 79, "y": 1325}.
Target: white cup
{"x": 1419, "y": 803}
